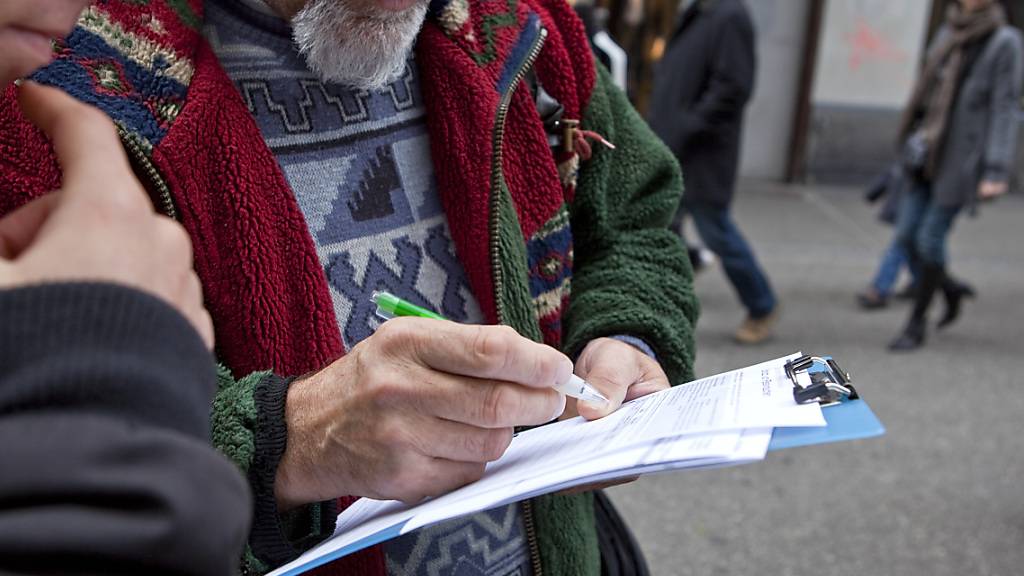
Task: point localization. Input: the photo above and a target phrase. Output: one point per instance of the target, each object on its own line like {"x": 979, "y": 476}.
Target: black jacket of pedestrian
{"x": 701, "y": 87}
{"x": 105, "y": 460}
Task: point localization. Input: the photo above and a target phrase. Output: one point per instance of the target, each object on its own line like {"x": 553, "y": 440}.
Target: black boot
{"x": 954, "y": 292}
{"x": 911, "y": 338}
{"x": 913, "y": 334}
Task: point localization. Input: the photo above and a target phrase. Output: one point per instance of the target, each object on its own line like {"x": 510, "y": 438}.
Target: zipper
{"x": 163, "y": 200}
{"x": 499, "y": 136}
{"x": 531, "y": 537}
{"x": 495, "y": 247}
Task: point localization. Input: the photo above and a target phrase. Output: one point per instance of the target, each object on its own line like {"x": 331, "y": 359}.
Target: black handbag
{"x": 620, "y": 553}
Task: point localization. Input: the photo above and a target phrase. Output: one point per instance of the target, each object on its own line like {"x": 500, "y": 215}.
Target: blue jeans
{"x": 889, "y": 269}
{"x": 722, "y": 237}
{"x": 923, "y": 226}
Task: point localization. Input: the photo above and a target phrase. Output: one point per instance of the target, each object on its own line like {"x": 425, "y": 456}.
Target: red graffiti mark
{"x": 868, "y": 44}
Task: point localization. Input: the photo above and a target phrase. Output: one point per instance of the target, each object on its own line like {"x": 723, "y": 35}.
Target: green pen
{"x": 389, "y": 306}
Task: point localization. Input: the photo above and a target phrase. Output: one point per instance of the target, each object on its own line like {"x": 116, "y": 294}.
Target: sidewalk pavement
{"x": 942, "y": 493}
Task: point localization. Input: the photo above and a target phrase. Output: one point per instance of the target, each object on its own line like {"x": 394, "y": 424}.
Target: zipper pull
{"x": 569, "y": 129}
{"x": 574, "y": 139}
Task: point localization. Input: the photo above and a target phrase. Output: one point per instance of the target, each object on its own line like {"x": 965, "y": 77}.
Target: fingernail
{"x": 564, "y": 371}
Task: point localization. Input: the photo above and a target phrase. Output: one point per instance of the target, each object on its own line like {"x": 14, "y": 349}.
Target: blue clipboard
{"x": 848, "y": 420}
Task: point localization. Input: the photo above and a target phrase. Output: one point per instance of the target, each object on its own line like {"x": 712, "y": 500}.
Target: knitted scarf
{"x": 936, "y": 88}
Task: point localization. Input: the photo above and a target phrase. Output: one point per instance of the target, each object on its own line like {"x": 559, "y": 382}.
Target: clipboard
{"x": 814, "y": 380}
{"x": 847, "y": 416}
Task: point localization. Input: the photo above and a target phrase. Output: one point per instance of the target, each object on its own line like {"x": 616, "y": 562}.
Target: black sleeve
{"x": 104, "y": 439}
{"x": 730, "y": 82}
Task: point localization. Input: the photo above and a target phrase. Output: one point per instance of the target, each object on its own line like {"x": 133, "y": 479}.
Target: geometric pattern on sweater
{"x": 494, "y": 544}
{"x": 360, "y": 167}
{"x": 139, "y": 82}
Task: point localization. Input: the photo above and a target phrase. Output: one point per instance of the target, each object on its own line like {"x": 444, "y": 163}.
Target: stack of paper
{"x": 721, "y": 420}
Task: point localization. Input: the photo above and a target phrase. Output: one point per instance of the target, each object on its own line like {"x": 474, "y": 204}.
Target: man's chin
{"x": 374, "y": 47}
{"x": 372, "y": 82}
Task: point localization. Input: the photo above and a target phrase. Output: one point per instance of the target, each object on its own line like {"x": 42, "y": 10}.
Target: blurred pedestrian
{"x": 959, "y": 133}
{"x": 701, "y": 88}
{"x": 890, "y": 186}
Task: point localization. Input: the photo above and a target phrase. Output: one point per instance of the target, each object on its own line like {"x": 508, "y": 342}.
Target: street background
{"x": 942, "y": 493}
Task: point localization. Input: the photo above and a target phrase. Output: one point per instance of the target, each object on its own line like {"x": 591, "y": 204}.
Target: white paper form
{"x": 699, "y": 451}
{"x": 759, "y": 396}
{"x": 557, "y": 454}
{"x": 607, "y": 464}
{"x": 756, "y": 397}
{"x": 697, "y": 424}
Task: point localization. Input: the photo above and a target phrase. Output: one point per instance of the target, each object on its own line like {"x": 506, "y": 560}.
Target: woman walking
{"x": 959, "y": 133}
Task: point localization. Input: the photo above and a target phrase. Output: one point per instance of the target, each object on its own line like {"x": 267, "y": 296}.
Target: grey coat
{"x": 981, "y": 141}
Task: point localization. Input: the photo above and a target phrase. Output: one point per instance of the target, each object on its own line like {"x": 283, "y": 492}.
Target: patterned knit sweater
{"x": 526, "y": 224}
{"x": 359, "y": 164}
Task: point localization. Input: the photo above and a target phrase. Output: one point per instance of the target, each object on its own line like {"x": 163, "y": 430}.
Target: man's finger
{"x": 646, "y": 387}
{"x": 84, "y": 139}
{"x": 612, "y": 376}
{"x": 492, "y": 352}
{"x": 461, "y": 442}
{"x": 612, "y": 367}
{"x": 19, "y": 228}
{"x": 652, "y": 379}
{"x": 485, "y": 403}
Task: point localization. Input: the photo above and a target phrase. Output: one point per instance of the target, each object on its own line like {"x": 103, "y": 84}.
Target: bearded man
{"x": 320, "y": 150}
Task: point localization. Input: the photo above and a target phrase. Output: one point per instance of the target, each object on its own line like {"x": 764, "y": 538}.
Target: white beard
{"x": 363, "y": 47}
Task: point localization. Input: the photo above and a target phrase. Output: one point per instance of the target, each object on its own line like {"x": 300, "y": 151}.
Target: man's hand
{"x": 991, "y": 189}
{"x": 620, "y": 372}
{"x": 100, "y": 226}
{"x": 415, "y": 410}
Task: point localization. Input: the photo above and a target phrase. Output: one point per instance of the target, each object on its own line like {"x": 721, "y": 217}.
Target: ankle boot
{"x": 911, "y": 338}
{"x": 913, "y": 334}
{"x": 954, "y": 293}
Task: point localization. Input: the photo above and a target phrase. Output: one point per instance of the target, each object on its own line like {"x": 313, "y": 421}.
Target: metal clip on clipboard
{"x": 829, "y": 384}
